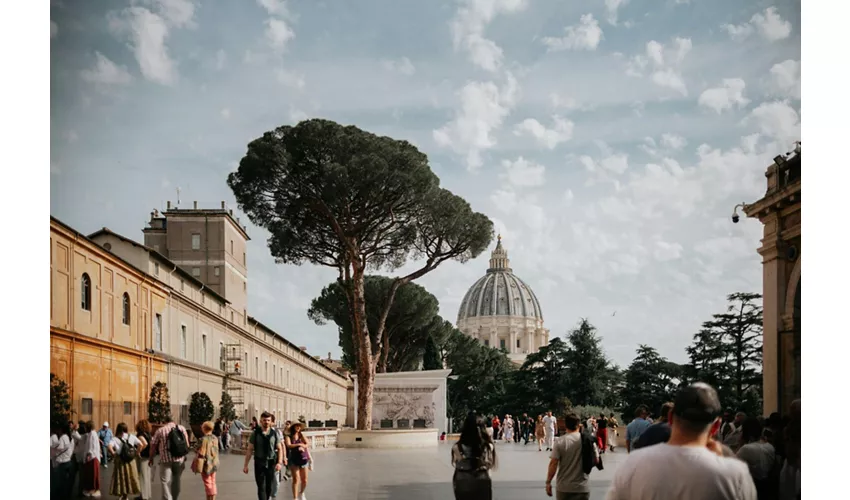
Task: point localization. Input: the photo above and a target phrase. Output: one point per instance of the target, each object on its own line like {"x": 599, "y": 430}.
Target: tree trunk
{"x": 385, "y": 355}
{"x": 363, "y": 348}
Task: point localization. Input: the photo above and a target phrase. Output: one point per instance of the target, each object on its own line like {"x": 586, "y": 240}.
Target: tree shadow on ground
{"x": 502, "y": 490}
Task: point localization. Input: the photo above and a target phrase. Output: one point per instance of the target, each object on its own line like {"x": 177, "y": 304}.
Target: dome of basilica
{"x": 499, "y": 292}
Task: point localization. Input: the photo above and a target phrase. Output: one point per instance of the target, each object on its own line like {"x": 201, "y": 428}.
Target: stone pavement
{"x": 392, "y": 475}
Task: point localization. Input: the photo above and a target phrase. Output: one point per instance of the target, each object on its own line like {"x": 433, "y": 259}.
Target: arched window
{"x": 85, "y": 292}
{"x": 125, "y": 317}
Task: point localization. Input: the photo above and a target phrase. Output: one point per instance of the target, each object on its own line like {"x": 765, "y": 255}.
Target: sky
{"x": 608, "y": 140}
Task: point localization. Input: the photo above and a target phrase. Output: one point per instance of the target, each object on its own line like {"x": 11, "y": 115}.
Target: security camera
{"x": 735, "y": 218}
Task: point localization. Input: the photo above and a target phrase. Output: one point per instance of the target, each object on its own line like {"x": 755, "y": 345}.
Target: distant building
{"x": 780, "y": 212}
{"x": 125, "y": 315}
{"x": 502, "y": 311}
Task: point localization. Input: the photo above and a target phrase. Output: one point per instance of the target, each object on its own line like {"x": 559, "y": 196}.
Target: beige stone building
{"x": 200, "y": 336}
{"x": 780, "y": 212}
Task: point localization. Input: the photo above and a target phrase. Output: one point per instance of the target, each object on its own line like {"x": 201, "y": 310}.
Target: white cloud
{"x": 403, "y": 66}
{"x": 785, "y": 77}
{"x": 664, "y": 62}
{"x": 220, "y": 59}
{"x": 563, "y": 102}
{"x": 290, "y": 79}
{"x": 147, "y": 32}
{"x": 54, "y": 29}
{"x": 278, "y": 34}
{"x": 612, "y": 6}
{"x": 584, "y": 36}
{"x": 275, "y": 7}
{"x": 106, "y": 72}
{"x": 484, "y": 106}
{"x": 778, "y": 120}
{"x": 225, "y": 113}
{"x": 523, "y": 173}
{"x": 296, "y": 115}
{"x": 562, "y": 131}
{"x": 671, "y": 79}
{"x": 673, "y": 141}
{"x": 665, "y": 252}
{"x": 769, "y": 25}
{"x": 469, "y": 24}
{"x": 611, "y": 162}
{"x": 729, "y": 95}
{"x": 177, "y": 13}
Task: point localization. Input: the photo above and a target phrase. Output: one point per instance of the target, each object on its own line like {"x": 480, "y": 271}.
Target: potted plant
{"x": 226, "y": 409}
{"x": 201, "y": 409}
{"x": 159, "y": 405}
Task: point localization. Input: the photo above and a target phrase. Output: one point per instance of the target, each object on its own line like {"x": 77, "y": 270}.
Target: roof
{"x": 289, "y": 342}
{"x": 207, "y": 211}
{"x": 182, "y": 272}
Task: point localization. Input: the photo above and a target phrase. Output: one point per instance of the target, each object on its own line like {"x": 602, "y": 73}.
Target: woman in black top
{"x": 473, "y": 456}
{"x": 143, "y": 429}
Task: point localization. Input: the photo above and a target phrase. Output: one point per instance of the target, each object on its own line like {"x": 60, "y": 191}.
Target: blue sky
{"x": 607, "y": 139}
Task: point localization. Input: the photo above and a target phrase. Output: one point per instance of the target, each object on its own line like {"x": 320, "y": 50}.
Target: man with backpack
{"x": 568, "y": 460}
{"x": 171, "y": 442}
{"x": 266, "y": 448}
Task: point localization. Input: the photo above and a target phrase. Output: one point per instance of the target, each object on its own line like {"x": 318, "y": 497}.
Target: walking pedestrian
{"x": 206, "y": 460}
{"x": 657, "y": 433}
{"x": 298, "y": 448}
{"x": 90, "y": 474}
{"x": 267, "y": 452}
{"x": 105, "y": 437}
{"x": 143, "y": 432}
{"x": 79, "y": 436}
{"x": 497, "y": 428}
{"x": 690, "y": 465}
{"x": 171, "y": 443}
{"x": 473, "y": 457}
{"x": 509, "y": 428}
{"x": 614, "y": 433}
{"x": 125, "y": 449}
{"x": 549, "y": 427}
{"x": 602, "y": 433}
{"x": 217, "y": 430}
{"x": 539, "y": 432}
{"x": 636, "y": 427}
{"x": 566, "y": 461}
{"x": 760, "y": 457}
{"x": 62, "y": 450}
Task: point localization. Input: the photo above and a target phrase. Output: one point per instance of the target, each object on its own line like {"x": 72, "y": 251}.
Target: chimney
{"x": 168, "y": 205}
{"x": 195, "y": 205}
{"x": 303, "y": 348}
{"x": 329, "y": 357}
{"x": 231, "y": 211}
{"x": 222, "y": 205}
{"x": 153, "y": 214}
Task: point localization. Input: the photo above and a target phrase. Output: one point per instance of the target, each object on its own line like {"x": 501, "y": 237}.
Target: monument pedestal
{"x": 388, "y": 438}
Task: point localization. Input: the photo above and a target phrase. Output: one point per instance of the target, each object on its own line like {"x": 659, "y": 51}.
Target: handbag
{"x": 198, "y": 463}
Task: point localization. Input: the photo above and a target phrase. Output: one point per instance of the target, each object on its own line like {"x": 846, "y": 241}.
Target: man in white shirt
{"x": 549, "y": 430}
{"x": 690, "y": 464}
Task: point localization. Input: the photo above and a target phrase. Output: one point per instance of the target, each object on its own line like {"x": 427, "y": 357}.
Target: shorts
{"x": 209, "y": 484}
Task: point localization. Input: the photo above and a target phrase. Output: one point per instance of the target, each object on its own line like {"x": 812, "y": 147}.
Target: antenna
{"x": 178, "y": 196}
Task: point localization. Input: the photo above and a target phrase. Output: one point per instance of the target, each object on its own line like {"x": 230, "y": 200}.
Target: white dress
{"x": 509, "y": 429}
{"x": 549, "y": 428}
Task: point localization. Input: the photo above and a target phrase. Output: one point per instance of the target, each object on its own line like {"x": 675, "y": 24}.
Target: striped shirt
{"x": 159, "y": 444}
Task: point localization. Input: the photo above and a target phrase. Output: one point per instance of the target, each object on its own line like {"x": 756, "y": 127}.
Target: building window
{"x": 266, "y": 376}
{"x": 125, "y": 309}
{"x": 183, "y": 341}
{"x": 244, "y": 259}
{"x": 257, "y": 366}
{"x": 487, "y": 342}
{"x": 155, "y": 269}
{"x": 196, "y": 242}
{"x": 182, "y": 285}
{"x": 217, "y": 271}
{"x": 157, "y": 332}
{"x": 128, "y": 408}
{"x": 87, "y": 406}
{"x": 231, "y": 247}
{"x": 231, "y": 316}
{"x": 501, "y": 343}
{"x": 244, "y": 286}
{"x": 517, "y": 343}
{"x": 196, "y": 272}
{"x": 203, "y": 349}
{"x": 274, "y": 374}
{"x": 85, "y": 292}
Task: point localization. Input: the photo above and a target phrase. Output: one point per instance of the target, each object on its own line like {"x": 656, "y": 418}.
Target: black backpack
{"x": 177, "y": 445}
{"x": 588, "y": 454}
{"x": 128, "y": 451}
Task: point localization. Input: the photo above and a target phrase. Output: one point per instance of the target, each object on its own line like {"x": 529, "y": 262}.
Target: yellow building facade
{"x": 100, "y": 309}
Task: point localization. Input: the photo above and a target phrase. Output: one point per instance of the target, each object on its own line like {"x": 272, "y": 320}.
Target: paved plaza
{"x": 394, "y": 475}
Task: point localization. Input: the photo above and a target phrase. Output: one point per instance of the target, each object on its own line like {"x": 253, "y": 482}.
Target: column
{"x": 513, "y": 348}
{"x": 774, "y": 297}
{"x": 494, "y": 338}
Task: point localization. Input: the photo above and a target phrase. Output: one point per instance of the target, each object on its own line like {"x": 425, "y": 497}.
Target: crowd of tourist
{"x": 694, "y": 450}
{"x": 78, "y": 452}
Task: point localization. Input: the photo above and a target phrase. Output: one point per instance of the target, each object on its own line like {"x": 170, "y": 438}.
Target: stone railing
{"x": 319, "y": 439}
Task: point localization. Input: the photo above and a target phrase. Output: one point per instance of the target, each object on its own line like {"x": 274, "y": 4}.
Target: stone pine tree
{"x": 340, "y": 197}
{"x": 405, "y": 328}
{"x": 648, "y": 382}
{"x": 727, "y": 353}
{"x": 226, "y": 408}
{"x": 60, "y": 403}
